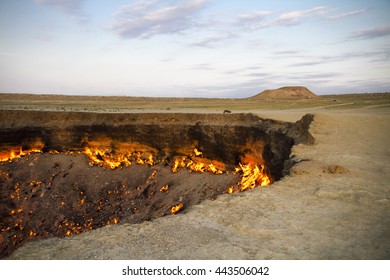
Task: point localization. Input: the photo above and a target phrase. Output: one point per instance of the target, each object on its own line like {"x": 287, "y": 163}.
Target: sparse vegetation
{"x": 126, "y": 104}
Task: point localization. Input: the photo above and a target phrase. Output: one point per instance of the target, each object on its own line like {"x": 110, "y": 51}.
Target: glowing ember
{"x": 177, "y": 208}
{"x": 164, "y": 188}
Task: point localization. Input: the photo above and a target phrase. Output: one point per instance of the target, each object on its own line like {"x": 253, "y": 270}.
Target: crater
{"x": 64, "y": 173}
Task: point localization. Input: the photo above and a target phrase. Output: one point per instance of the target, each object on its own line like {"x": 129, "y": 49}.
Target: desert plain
{"x": 334, "y": 204}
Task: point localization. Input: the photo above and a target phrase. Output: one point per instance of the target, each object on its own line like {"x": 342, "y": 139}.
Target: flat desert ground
{"x": 335, "y": 204}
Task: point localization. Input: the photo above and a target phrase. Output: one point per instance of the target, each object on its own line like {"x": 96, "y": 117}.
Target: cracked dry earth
{"x": 333, "y": 205}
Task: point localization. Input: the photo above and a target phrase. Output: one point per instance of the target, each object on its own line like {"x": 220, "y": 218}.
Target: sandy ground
{"x": 334, "y": 205}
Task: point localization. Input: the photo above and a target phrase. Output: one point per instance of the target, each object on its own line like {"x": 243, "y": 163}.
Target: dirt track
{"x": 335, "y": 205}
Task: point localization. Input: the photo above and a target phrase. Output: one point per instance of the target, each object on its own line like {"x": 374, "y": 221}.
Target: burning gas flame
{"x": 197, "y": 152}
{"x": 177, "y": 208}
{"x": 105, "y": 157}
{"x": 252, "y": 176}
{"x": 197, "y": 164}
{"x": 253, "y": 171}
{"x": 18, "y": 152}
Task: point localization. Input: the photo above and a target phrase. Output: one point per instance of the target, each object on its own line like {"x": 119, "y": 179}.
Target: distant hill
{"x": 286, "y": 93}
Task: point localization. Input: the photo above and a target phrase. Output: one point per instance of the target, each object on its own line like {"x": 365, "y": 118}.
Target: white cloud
{"x": 295, "y": 17}
{"x": 145, "y": 19}
{"x": 371, "y": 33}
{"x": 214, "y": 40}
{"x": 347, "y": 14}
{"x": 259, "y": 19}
{"x": 253, "y": 16}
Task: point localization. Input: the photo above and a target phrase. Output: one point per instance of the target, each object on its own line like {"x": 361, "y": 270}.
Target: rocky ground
{"x": 334, "y": 205}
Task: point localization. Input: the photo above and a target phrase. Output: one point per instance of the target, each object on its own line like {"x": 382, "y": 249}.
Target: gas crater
{"x": 64, "y": 173}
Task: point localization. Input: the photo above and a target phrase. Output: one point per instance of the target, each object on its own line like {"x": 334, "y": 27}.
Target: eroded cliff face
{"x": 225, "y": 138}
{"x": 70, "y": 172}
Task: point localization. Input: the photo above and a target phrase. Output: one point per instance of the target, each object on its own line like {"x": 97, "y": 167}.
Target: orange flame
{"x": 164, "y": 188}
{"x": 198, "y": 165}
{"x": 102, "y": 157}
{"x": 252, "y": 167}
{"x": 18, "y": 152}
{"x": 252, "y": 176}
{"x": 197, "y": 152}
{"x": 177, "y": 208}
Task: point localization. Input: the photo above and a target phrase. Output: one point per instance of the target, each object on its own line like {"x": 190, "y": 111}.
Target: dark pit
{"x": 60, "y": 192}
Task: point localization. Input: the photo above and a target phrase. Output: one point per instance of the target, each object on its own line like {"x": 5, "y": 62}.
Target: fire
{"x": 179, "y": 163}
{"x": 177, "y": 208}
{"x": 252, "y": 176}
{"x": 211, "y": 168}
{"x": 19, "y": 152}
{"x": 164, "y": 188}
{"x": 198, "y": 165}
{"x": 103, "y": 157}
{"x": 139, "y": 160}
{"x": 107, "y": 157}
{"x": 197, "y": 152}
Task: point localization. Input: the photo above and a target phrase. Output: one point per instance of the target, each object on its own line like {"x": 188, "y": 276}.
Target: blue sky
{"x": 197, "y": 48}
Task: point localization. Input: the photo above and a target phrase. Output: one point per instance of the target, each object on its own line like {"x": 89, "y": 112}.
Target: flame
{"x": 139, "y": 160}
{"x": 177, "y": 208}
{"x": 252, "y": 176}
{"x": 211, "y": 168}
{"x": 18, "y": 152}
{"x": 164, "y": 188}
{"x": 103, "y": 157}
{"x": 150, "y": 161}
{"x": 179, "y": 162}
{"x": 198, "y": 165}
{"x": 197, "y": 152}
{"x": 106, "y": 157}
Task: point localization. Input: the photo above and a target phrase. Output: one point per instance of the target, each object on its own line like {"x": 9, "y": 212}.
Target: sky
{"x": 193, "y": 48}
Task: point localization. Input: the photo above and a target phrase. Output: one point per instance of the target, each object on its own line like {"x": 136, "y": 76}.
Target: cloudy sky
{"x": 200, "y": 48}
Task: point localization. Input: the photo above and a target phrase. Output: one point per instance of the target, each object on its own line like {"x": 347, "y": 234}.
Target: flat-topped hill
{"x": 297, "y": 92}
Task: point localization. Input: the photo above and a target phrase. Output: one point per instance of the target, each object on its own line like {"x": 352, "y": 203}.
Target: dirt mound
{"x": 286, "y": 93}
